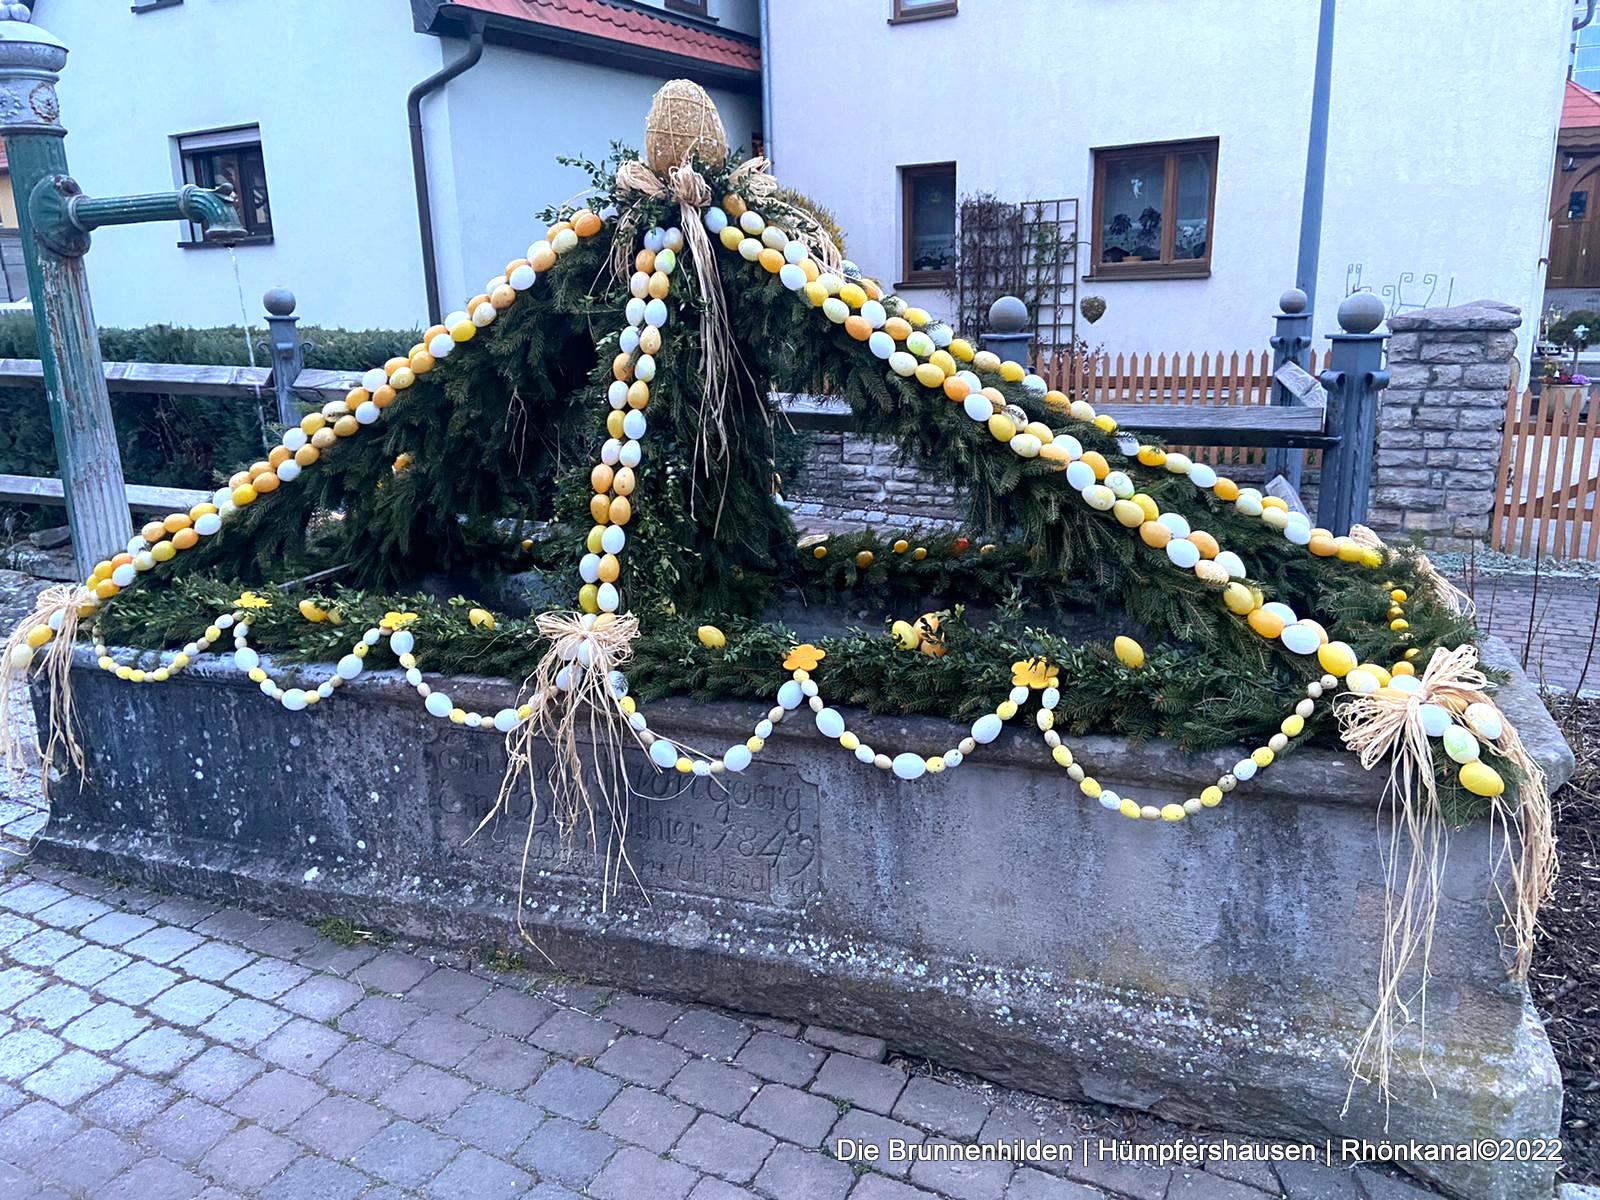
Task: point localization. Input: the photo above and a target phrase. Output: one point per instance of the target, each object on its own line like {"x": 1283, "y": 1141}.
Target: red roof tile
{"x": 596, "y": 18}
{"x": 1580, "y": 109}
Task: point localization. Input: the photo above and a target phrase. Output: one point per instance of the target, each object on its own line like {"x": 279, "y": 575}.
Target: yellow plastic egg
{"x": 1129, "y": 652}
{"x": 1002, "y": 427}
{"x": 481, "y": 618}
{"x": 929, "y": 375}
{"x": 1337, "y": 659}
{"x": 1128, "y": 514}
{"x": 1481, "y": 779}
{"x": 711, "y": 637}
{"x": 905, "y": 635}
{"x": 1240, "y": 600}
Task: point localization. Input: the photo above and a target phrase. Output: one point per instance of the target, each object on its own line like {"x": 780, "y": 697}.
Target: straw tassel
{"x": 59, "y": 610}
{"x": 1387, "y": 724}
{"x": 1449, "y": 595}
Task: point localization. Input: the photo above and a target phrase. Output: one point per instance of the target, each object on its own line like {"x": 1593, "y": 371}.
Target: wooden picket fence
{"x": 1547, "y": 480}
{"x": 1221, "y": 378}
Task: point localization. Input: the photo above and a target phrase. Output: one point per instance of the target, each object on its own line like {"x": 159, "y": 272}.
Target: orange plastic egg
{"x": 622, "y": 483}
{"x": 621, "y": 511}
{"x": 585, "y": 223}
{"x": 185, "y": 539}
{"x": 857, "y": 327}
{"x": 601, "y": 477}
{"x": 600, "y": 509}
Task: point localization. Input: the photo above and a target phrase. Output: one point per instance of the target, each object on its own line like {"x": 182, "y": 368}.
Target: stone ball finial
{"x": 1008, "y": 315}
{"x": 15, "y": 12}
{"x": 1293, "y": 302}
{"x": 278, "y": 301}
{"x": 683, "y": 124}
{"x": 1360, "y": 312}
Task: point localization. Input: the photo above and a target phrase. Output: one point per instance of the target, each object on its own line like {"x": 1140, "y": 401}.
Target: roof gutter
{"x": 419, "y": 156}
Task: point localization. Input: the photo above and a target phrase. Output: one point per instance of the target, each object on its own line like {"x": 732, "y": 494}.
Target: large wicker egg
{"x": 683, "y": 124}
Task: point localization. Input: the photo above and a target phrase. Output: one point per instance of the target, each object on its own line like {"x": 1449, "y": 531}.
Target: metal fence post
{"x": 288, "y": 353}
{"x": 1290, "y": 342}
{"x": 1354, "y": 379}
{"x": 1007, "y": 334}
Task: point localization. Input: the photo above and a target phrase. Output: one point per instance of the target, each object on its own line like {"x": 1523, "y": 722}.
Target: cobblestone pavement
{"x": 1562, "y": 625}
{"x": 155, "y": 1047}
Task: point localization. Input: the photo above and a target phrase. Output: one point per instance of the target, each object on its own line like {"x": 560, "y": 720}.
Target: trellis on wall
{"x": 1025, "y": 248}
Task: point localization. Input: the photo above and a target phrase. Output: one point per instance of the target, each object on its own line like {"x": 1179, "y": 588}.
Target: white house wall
{"x": 334, "y": 140}
{"x": 1443, "y": 122}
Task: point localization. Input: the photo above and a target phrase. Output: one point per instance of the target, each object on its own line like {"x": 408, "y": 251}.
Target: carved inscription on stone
{"x": 749, "y": 837}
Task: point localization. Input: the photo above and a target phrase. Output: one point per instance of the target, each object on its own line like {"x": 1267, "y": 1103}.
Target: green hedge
{"x": 176, "y": 441}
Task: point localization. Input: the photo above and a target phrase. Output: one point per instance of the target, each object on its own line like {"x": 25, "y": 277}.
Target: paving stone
{"x": 869, "y": 1129}
{"x": 567, "y": 1152}
{"x": 864, "y": 1084}
{"x": 282, "y": 939}
{"x": 89, "y": 1161}
{"x": 245, "y": 1023}
{"x": 719, "y": 1147}
{"x": 90, "y": 965}
{"x": 191, "y": 1003}
{"x": 1258, "y": 1175}
{"x": 405, "y": 1154}
{"x": 188, "y": 1130}
{"x": 440, "y": 1039}
{"x": 181, "y": 910}
{"x": 338, "y": 1126}
{"x": 165, "y": 943}
{"x": 35, "y": 1129}
{"x": 646, "y": 1119}
{"x": 959, "y": 1179}
{"x": 275, "y": 1099}
{"x": 11, "y": 1098}
{"x": 248, "y": 1158}
{"x": 231, "y": 924}
{"x": 642, "y": 1060}
{"x": 475, "y": 1173}
{"x": 317, "y": 1179}
{"x": 17, "y": 984}
{"x": 159, "y": 1051}
{"x": 24, "y": 1051}
{"x": 876, "y": 1187}
{"x": 941, "y": 1108}
{"x": 574, "y": 1034}
{"x": 54, "y": 1006}
{"x": 154, "y": 1179}
{"x": 504, "y": 1063}
{"x": 322, "y": 997}
{"x": 641, "y": 1014}
{"x": 714, "y": 1087}
{"x": 14, "y": 927}
{"x": 137, "y": 983}
{"x": 711, "y": 1188}
{"x": 128, "y": 1103}
{"x": 212, "y": 960}
{"x": 71, "y": 1077}
{"x": 334, "y": 959}
{"x": 550, "y": 1191}
{"x": 33, "y": 896}
{"x": 1313, "y": 1181}
{"x": 1031, "y": 1184}
{"x": 492, "y": 1122}
{"x": 783, "y": 1059}
{"x": 1127, "y": 1179}
{"x": 425, "y": 1093}
{"x": 380, "y": 1019}
{"x": 633, "y": 1173}
{"x": 73, "y": 912}
{"x": 790, "y": 1171}
{"x": 871, "y": 1048}
{"x": 579, "y": 1093}
{"x": 363, "y": 1070}
{"x": 302, "y": 1045}
{"x": 1377, "y": 1185}
{"x": 511, "y": 1012}
{"x": 449, "y": 991}
{"x": 105, "y": 1027}
{"x": 393, "y": 972}
{"x": 709, "y": 1034}
{"x": 45, "y": 948}
{"x": 777, "y": 1025}
{"x": 268, "y": 978}
{"x": 1203, "y": 1185}
{"x": 117, "y": 928}
{"x": 792, "y": 1115}
{"x": 217, "y": 1074}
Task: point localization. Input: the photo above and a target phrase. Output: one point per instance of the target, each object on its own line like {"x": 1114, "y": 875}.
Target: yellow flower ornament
{"x": 250, "y": 600}
{"x": 804, "y": 658}
{"x": 1035, "y": 673}
{"x": 396, "y": 620}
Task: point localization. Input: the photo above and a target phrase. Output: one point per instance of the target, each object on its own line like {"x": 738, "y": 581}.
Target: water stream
{"x": 249, "y": 349}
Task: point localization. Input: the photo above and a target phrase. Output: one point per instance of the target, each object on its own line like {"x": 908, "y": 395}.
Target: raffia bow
{"x": 1387, "y": 724}
{"x": 57, "y": 608}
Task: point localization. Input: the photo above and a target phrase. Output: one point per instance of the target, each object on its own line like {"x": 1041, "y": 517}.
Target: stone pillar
{"x": 1440, "y": 422}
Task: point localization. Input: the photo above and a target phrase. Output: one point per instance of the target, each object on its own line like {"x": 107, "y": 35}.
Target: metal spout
{"x": 216, "y": 210}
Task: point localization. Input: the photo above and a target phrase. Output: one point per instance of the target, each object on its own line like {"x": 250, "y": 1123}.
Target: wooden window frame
{"x": 691, "y": 8}
{"x": 1167, "y": 267}
{"x": 908, "y": 277}
{"x": 201, "y": 143}
{"x": 905, "y": 13}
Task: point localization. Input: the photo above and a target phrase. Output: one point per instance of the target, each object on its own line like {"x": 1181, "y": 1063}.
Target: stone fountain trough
{"x": 1215, "y": 972}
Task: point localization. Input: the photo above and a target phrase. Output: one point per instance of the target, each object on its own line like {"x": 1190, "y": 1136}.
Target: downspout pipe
{"x": 419, "y": 157}
{"x": 766, "y": 80}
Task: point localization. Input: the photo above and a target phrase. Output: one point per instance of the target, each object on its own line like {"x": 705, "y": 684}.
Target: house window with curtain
{"x": 928, "y": 224}
{"x": 693, "y": 8}
{"x": 918, "y": 10}
{"x": 231, "y": 156}
{"x": 1153, "y": 210}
